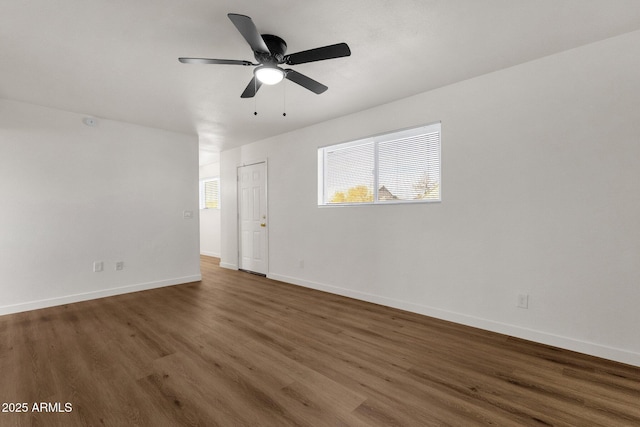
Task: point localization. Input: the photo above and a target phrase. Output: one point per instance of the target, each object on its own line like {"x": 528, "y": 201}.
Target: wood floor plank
{"x": 241, "y": 350}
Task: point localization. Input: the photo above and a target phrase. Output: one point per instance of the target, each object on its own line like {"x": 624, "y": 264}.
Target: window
{"x": 397, "y": 167}
{"x": 210, "y": 193}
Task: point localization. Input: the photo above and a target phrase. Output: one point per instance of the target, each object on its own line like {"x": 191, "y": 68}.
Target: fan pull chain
{"x": 284, "y": 99}
{"x": 255, "y": 92}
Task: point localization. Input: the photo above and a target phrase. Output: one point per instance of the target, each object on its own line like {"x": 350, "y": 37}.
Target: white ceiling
{"x": 117, "y": 59}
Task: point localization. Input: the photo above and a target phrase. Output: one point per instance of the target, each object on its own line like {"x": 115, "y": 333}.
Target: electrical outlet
{"x": 187, "y": 214}
{"x": 119, "y": 265}
{"x": 523, "y": 301}
{"x": 98, "y": 266}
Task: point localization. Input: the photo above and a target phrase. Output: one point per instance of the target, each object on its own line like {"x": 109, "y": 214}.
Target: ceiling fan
{"x": 269, "y": 51}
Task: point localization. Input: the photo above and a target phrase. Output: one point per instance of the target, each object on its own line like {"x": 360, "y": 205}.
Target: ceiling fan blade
{"x": 215, "y": 61}
{"x": 252, "y": 88}
{"x": 247, "y": 28}
{"x": 305, "y": 81}
{"x": 318, "y": 54}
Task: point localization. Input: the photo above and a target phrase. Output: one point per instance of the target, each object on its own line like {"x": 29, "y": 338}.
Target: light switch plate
{"x": 98, "y": 266}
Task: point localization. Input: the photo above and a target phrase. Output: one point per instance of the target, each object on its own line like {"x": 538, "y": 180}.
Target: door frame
{"x": 238, "y": 209}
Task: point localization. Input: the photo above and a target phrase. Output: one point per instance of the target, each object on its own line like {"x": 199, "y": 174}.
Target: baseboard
{"x": 229, "y": 266}
{"x": 211, "y": 254}
{"x": 593, "y": 349}
{"x": 69, "y": 299}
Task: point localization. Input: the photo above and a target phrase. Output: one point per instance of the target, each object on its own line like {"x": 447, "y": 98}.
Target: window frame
{"x": 377, "y": 139}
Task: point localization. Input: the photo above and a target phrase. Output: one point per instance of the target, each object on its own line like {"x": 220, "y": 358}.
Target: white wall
{"x": 71, "y": 195}
{"x": 540, "y": 193}
{"x": 210, "y": 218}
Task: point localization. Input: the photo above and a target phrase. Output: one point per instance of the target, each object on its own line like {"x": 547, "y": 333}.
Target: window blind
{"x": 349, "y": 173}
{"x": 210, "y": 193}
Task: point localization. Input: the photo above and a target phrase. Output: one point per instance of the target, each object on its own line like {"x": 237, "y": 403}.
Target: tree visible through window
{"x": 357, "y": 194}
{"x": 397, "y": 167}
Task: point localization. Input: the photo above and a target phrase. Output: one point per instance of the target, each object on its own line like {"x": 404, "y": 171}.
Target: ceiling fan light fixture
{"x": 269, "y": 75}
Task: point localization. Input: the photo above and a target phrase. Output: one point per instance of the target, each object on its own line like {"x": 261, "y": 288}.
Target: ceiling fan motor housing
{"x": 277, "y": 49}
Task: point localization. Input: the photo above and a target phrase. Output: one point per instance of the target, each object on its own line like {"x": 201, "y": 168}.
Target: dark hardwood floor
{"x": 240, "y": 350}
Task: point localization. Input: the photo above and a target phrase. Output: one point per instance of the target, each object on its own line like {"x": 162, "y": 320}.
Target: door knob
{"x": 263, "y": 224}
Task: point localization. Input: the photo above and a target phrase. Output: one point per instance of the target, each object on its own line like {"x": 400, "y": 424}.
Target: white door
{"x": 252, "y": 213}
